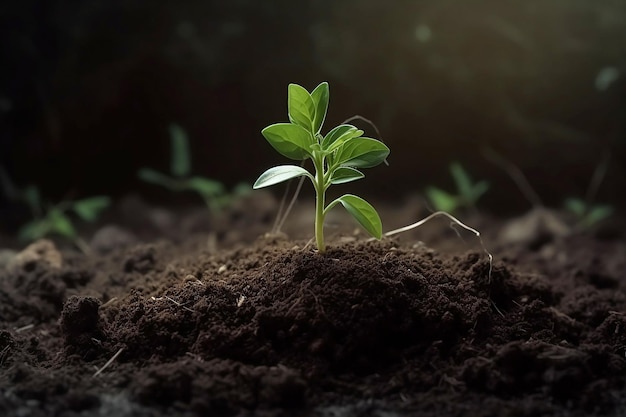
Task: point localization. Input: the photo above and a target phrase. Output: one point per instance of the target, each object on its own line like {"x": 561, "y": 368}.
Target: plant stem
{"x": 320, "y": 197}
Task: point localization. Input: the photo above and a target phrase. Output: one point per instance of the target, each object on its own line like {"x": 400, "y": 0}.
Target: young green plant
{"x": 587, "y": 215}
{"x": 56, "y": 219}
{"x": 467, "y": 194}
{"x": 212, "y": 192}
{"x": 337, "y": 157}
{"x": 52, "y": 219}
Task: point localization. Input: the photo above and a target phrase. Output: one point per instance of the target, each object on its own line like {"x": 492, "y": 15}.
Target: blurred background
{"x": 88, "y": 89}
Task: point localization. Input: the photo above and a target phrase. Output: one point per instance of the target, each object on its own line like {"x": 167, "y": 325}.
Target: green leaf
{"x": 462, "y": 180}
{"x": 34, "y": 230}
{"x": 478, "y": 190}
{"x": 154, "y": 177}
{"x": 576, "y": 206}
{"x": 442, "y": 200}
{"x": 55, "y": 222}
{"x": 343, "y": 175}
{"x": 363, "y": 212}
{"x": 181, "y": 161}
{"x": 205, "y": 186}
{"x": 292, "y": 141}
{"x": 32, "y": 198}
{"x": 362, "y": 153}
{"x": 89, "y": 209}
{"x": 60, "y": 224}
{"x": 279, "y": 174}
{"x": 320, "y": 96}
{"x": 338, "y": 135}
{"x": 241, "y": 189}
{"x": 598, "y": 213}
{"x": 301, "y": 107}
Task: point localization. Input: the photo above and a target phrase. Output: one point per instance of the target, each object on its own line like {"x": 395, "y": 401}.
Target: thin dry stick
{"x": 279, "y": 226}
{"x": 109, "y": 362}
{"x": 455, "y": 221}
{"x": 516, "y": 175}
{"x": 597, "y": 178}
{"x": 179, "y": 304}
{"x": 280, "y": 216}
{"x": 24, "y": 328}
{"x": 108, "y": 303}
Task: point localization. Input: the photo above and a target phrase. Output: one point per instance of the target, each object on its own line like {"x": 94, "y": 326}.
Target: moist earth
{"x": 270, "y": 327}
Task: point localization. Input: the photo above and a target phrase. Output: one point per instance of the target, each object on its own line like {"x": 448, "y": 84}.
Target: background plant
{"x": 467, "y": 193}
{"x": 212, "y": 192}
{"x": 587, "y": 214}
{"x": 56, "y": 219}
{"x": 337, "y": 157}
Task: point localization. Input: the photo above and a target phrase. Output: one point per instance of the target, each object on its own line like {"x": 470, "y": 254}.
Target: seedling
{"x": 52, "y": 220}
{"x": 56, "y": 220}
{"x": 587, "y": 215}
{"x": 337, "y": 157}
{"x": 212, "y": 192}
{"x": 467, "y": 195}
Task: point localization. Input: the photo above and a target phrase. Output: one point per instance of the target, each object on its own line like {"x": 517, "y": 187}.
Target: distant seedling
{"x": 587, "y": 215}
{"x": 212, "y": 192}
{"x": 467, "y": 194}
{"x": 337, "y": 157}
{"x": 56, "y": 219}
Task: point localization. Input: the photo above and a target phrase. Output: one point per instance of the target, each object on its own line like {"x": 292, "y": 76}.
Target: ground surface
{"x": 270, "y": 327}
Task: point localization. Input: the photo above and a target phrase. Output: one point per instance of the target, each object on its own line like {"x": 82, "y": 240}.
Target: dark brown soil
{"x": 272, "y": 328}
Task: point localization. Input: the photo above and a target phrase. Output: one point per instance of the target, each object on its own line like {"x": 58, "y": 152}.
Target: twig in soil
{"x": 496, "y": 308}
{"x": 109, "y": 362}
{"x": 108, "y": 303}
{"x": 4, "y": 354}
{"x": 179, "y": 304}
{"x": 194, "y": 356}
{"x": 24, "y": 328}
{"x": 454, "y": 221}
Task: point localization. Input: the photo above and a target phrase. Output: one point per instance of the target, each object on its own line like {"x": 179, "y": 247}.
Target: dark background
{"x": 88, "y": 89}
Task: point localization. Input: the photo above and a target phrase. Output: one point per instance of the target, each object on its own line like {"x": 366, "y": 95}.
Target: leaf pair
{"x": 467, "y": 194}
{"x": 56, "y": 220}
{"x": 211, "y": 191}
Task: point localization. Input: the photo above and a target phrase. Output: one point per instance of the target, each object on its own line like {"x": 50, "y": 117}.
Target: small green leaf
{"x": 290, "y": 140}
{"x": 478, "y": 190}
{"x": 279, "y": 174}
{"x": 181, "y": 161}
{"x": 301, "y": 107}
{"x": 205, "y": 187}
{"x": 241, "y": 189}
{"x": 361, "y": 153}
{"x": 34, "y": 230}
{"x": 340, "y": 134}
{"x": 598, "y": 213}
{"x": 320, "y": 97}
{"x": 32, "y": 198}
{"x": 442, "y": 200}
{"x": 462, "y": 180}
{"x": 89, "y": 209}
{"x": 60, "y": 224}
{"x": 343, "y": 175}
{"x": 363, "y": 212}
{"x": 576, "y": 206}
{"x": 154, "y": 177}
